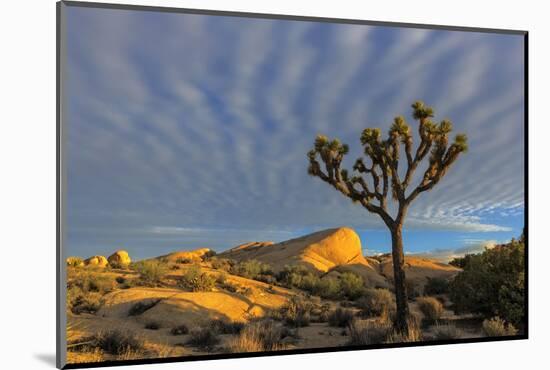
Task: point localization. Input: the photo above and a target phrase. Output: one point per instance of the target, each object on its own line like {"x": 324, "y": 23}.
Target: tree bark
{"x": 402, "y": 314}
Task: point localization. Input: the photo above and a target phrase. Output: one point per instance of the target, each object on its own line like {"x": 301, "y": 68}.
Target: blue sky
{"x": 189, "y": 131}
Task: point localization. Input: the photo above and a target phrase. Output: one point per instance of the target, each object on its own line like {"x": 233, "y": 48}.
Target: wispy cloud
{"x": 203, "y": 122}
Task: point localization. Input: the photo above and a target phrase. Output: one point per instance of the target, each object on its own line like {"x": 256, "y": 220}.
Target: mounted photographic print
{"x": 236, "y": 185}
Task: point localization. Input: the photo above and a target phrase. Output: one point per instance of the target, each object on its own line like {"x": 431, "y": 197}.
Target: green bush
{"x": 251, "y": 269}
{"x": 436, "y": 286}
{"x": 431, "y": 308}
{"x": 197, "y": 281}
{"x": 151, "y": 272}
{"x": 223, "y": 264}
{"x": 492, "y": 283}
{"x": 496, "y": 327}
{"x": 352, "y": 285}
{"x": 375, "y": 302}
{"x": 329, "y": 288}
{"x": 340, "y": 317}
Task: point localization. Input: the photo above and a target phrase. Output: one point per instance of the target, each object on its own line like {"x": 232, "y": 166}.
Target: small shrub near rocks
{"x": 296, "y": 313}
{"x": 340, "y": 317}
{"x": 431, "y": 308}
{"x": 151, "y": 273}
{"x": 252, "y": 269}
{"x": 117, "y": 342}
{"x": 223, "y": 264}
{"x": 496, "y": 327}
{"x": 180, "y": 330}
{"x": 352, "y": 285}
{"x": 197, "y": 281}
{"x": 204, "y": 337}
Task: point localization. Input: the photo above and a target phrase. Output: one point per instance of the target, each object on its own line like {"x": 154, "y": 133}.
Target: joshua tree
{"x": 371, "y": 182}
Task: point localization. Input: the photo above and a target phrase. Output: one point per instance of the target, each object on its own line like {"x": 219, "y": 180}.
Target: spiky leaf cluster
{"x": 371, "y": 182}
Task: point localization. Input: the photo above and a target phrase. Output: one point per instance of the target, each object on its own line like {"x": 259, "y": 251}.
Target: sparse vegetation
{"x": 496, "y": 327}
{"x": 252, "y": 269}
{"x": 226, "y": 327}
{"x": 296, "y": 313}
{"x": 340, "y": 317}
{"x": 431, "y": 308}
{"x": 85, "y": 290}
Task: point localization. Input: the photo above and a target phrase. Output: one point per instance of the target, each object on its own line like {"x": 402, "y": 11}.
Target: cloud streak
{"x": 202, "y": 123}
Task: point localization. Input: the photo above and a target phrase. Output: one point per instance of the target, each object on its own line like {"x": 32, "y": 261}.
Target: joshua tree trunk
{"x": 402, "y": 314}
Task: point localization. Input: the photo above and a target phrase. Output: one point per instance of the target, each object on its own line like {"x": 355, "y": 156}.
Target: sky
{"x": 188, "y": 131}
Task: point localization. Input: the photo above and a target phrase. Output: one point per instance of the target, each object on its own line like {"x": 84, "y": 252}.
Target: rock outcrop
{"x": 119, "y": 259}
{"x": 98, "y": 261}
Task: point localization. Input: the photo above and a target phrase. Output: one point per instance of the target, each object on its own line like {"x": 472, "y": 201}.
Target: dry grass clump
{"x": 114, "y": 342}
{"x": 447, "y": 332}
{"x": 204, "y": 337}
{"x": 414, "y": 334}
{"x": 496, "y": 327}
{"x": 431, "y": 308}
{"x": 140, "y": 307}
{"x": 367, "y": 333}
{"x": 264, "y": 335}
{"x": 296, "y": 312}
{"x": 85, "y": 290}
{"x": 375, "y": 302}
{"x": 340, "y": 317}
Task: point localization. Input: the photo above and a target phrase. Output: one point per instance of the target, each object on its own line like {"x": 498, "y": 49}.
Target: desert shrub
{"x": 120, "y": 279}
{"x": 204, "y": 337}
{"x": 296, "y": 312}
{"x": 340, "y": 317}
{"x": 320, "y": 313}
{"x": 197, "y": 281}
{"x": 264, "y": 335}
{"x": 150, "y": 272}
{"x": 208, "y": 255}
{"x": 117, "y": 342}
{"x": 180, "y": 330}
{"x": 328, "y": 288}
{"x": 251, "y": 269}
{"x": 352, "y": 285}
{"x": 140, "y": 307}
{"x": 221, "y": 278}
{"x": 85, "y": 303}
{"x": 226, "y": 327}
{"x": 152, "y": 325}
{"x": 492, "y": 283}
{"x": 446, "y": 332}
{"x": 367, "y": 333}
{"x": 375, "y": 302}
{"x": 435, "y": 286}
{"x": 223, "y": 264}
{"x": 431, "y": 308}
{"x": 496, "y": 327}
{"x": 233, "y": 288}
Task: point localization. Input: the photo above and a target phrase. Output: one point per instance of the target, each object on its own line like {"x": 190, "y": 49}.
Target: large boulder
{"x": 119, "y": 259}
{"x": 97, "y": 261}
